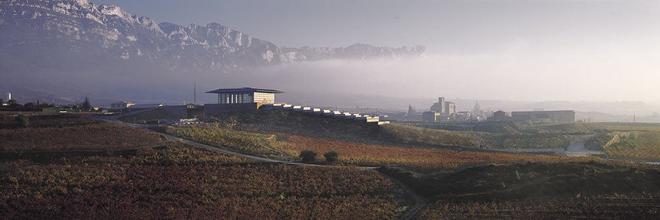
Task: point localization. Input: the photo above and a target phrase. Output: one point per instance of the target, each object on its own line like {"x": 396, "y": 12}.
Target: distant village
{"x": 444, "y": 111}
{"x": 249, "y": 99}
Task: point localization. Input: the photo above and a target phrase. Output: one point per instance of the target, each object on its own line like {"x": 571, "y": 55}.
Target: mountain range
{"x": 60, "y": 50}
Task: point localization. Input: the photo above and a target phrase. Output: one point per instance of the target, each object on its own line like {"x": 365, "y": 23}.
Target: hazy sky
{"x": 527, "y": 49}
{"x": 457, "y": 26}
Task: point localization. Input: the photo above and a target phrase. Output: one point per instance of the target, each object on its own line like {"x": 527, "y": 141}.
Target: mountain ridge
{"x": 212, "y": 46}
{"x": 103, "y": 50}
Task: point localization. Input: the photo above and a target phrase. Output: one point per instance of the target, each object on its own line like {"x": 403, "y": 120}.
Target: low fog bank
{"x": 586, "y": 111}
{"x": 622, "y": 84}
{"x": 618, "y": 84}
{"x": 477, "y": 76}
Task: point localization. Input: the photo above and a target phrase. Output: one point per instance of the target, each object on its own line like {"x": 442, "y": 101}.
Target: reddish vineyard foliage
{"x": 42, "y": 120}
{"x": 174, "y": 153}
{"x": 586, "y": 190}
{"x": 371, "y": 154}
{"x": 139, "y": 188}
{"x": 241, "y": 141}
{"x": 91, "y": 136}
{"x": 602, "y": 207}
{"x": 350, "y": 152}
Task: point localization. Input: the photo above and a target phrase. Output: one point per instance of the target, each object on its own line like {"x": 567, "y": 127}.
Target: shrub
{"x": 23, "y": 121}
{"x": 231, "y": 122}
{"x": 331, "y": 156}
{"x": 307, "y": 156}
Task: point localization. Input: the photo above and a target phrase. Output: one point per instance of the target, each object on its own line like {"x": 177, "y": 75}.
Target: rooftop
{"x": 244, "y": 90}
{"x": 544, "y": 111}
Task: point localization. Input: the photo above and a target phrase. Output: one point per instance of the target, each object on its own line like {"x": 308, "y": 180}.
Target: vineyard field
{"x": 72, "y": 167}
{"x": 538, "y": 190}
{"x": 179, "y": 182}
{"x": 40, "y": 120}
{"x": 610, "y": 126}
{"x": 242, "y": 141}
{"x": 378, "y": 155}
{"x": 88, "y": 136}
{"x": 283, "y": 145}
{"x": 602, "y": 207}
{"x": 641, "y": 145}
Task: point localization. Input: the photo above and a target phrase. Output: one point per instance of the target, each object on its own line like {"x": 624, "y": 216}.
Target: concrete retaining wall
{"x": 217, "y": 109}
{"x": 328, "y": 113}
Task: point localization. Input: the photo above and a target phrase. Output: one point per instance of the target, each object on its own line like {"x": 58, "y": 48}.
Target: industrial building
{"x": 431, "y": 116}
{"x": 500, "y": 116}
{"x": 444, "y": 107}
{"x": 566, "y": 116}
{"x": 121, "y": 105}
{"x": 244, "y": 99}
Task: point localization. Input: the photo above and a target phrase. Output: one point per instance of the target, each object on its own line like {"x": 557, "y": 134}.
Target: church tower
{"x": 477, "y": 108}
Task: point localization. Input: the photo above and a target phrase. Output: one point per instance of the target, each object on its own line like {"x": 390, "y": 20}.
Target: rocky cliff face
{"x": 76, "y": 26}
{"x": 48, "y": 45}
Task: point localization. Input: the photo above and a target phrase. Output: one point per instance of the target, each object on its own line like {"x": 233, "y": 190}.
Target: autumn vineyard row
{"x": 174, "y": 183}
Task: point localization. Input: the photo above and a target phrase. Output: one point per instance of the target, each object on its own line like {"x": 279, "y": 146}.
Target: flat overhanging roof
{"x": 244, "y": 90}
{"x": 552, "y": 111}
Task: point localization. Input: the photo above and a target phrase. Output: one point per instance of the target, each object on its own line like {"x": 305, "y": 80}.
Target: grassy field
{"x": 538, "y": 190}
{"x": 627, "y": 126}
{"x": 577, "y": 128}
{"x": 242, "y": 141}
{"x": 502, "y": 134}
{"x": 525, "y": 141}
{"x": 405, "y": 134}
{"x": 644, "y": 145}
{"x": 638, "y": 141}
{"x": 509, "y": 127}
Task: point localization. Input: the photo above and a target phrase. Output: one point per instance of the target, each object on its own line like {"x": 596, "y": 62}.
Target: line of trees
{"x": 308, "y": 156}
{"x": 13, "y": 105}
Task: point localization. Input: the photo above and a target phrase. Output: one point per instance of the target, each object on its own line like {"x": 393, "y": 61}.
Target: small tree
{"x": 307, "y": 156}
{"x": 23, "y": 121}
{"x": 331, "y": 156}
{"x": 29, "y": 106}
{"x": 231, "y": 122}
{"x": 86, "y": 106}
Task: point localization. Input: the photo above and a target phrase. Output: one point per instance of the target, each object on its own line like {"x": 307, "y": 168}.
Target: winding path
{"x": 419, "y": 203}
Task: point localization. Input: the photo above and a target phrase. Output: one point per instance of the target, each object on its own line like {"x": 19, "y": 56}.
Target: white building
{"x": 244, "y": 99}
{"x": 122, "y": 105}
{"x": 245, "y": 95}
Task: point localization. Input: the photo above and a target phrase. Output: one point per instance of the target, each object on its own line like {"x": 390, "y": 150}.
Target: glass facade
{"x": 235, "y": 98}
